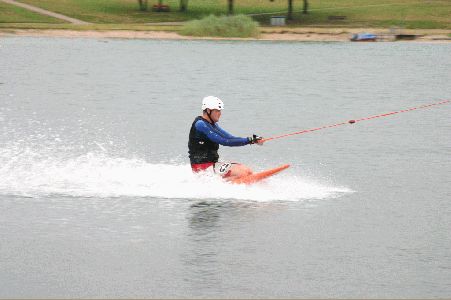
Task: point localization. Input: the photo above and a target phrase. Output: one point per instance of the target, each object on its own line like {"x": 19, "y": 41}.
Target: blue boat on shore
{"x": 363, "y": 37}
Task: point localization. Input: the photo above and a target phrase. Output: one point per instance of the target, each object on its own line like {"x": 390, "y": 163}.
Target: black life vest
{"x": 200, "y": 148}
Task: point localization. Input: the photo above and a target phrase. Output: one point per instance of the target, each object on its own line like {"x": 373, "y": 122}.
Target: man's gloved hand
{"x": 255, "y": 139}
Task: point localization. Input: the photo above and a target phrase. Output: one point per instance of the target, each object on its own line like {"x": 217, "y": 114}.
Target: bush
{"x": 224, "y": 26}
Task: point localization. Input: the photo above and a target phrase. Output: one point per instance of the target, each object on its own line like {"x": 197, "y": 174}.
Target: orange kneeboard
{"x": 255, "y": 177}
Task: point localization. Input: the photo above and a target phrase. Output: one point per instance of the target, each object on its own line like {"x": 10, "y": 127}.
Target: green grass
{"x": 359, "y": 13}
{"x": 411, "y": 14}
{"x": 224, "y": 26}
{"x": 13, "y": 14}
{"x": 100, "y": 27}
{"x": 107, "y": 11}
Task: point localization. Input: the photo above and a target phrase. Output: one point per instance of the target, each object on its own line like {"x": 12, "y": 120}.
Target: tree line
{"x": 143, "y": 5}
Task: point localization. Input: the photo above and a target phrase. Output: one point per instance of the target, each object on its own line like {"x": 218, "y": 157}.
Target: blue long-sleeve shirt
{"x": 218, "y": 135}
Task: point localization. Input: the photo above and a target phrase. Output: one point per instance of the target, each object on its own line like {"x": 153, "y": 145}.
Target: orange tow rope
{"x": 355, "y": 121}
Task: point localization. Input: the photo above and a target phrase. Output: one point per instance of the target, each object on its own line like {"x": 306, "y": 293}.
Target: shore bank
{"x": 267, "y": 34}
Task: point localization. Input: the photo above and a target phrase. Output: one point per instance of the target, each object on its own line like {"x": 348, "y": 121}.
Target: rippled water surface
{"x": 97, "y": 198}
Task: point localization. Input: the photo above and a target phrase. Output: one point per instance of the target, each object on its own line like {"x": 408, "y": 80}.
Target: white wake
{"x": 27, "y": 173}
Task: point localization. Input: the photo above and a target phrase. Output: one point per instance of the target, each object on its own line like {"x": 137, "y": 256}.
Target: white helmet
{"x": 212, "y": 102}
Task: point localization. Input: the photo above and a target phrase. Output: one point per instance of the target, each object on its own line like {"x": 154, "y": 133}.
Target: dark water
{"x": 97, "y": 198}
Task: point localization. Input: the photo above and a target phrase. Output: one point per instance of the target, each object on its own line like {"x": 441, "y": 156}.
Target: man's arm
{"x": 252, "y": 140}
{"x": 225, "y": 133}
{"x": 216, "y": 135}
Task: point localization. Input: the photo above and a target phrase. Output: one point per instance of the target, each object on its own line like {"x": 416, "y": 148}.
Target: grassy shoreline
{"x": 267, "y": 34}
{"x": 411, "y": 14}
{"x": 122, "y": 18}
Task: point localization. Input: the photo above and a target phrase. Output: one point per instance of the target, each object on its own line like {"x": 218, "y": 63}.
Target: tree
{"x": 183, "y": 5}
{"x": 230, "y": 7}
{"x": 290, "y": 10}
{"x": 305, "y": 8}
{"x": 142, "y": 5}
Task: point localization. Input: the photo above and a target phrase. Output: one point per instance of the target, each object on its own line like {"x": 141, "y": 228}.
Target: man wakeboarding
{"x": 205, "y": 137}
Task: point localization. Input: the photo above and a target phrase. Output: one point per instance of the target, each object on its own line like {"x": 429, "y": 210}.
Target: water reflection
{"x": 217, "y": 232}
{"x": 202, "y": 263}
{"x": 204, "y": 217}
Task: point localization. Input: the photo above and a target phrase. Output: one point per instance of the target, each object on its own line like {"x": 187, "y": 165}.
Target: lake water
{"x": 97, "y": 198}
